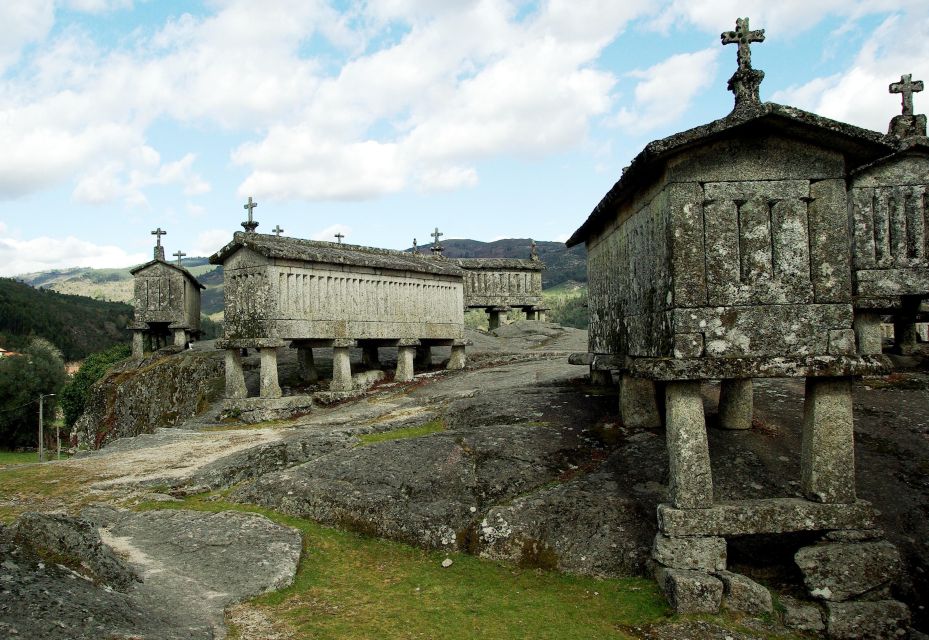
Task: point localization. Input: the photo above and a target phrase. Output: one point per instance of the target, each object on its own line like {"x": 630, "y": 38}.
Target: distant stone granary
{"x": 724, "y": 252}
{"x": 308, "y": 294}
{"x": 888, "y": 201}
{"x": 501, "y": 284}
{"x": 166, "y": 300}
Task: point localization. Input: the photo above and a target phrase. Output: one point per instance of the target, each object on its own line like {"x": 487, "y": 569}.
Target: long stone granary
{"x": 724, "y": 253}
{"x": 309, "y": 294}
{"x": 501, "y": 284}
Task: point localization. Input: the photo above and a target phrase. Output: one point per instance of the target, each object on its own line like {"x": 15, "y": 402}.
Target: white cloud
{"x": 115, "y": 181}
{"x": 210, "y": 241}
{"x": 98, "y": 6}
{"x": 24, "y": 22}
{"x": 859, "y": 94}
{"x": 655, "y": 104}
{"x": 328, "y": 234}
{"x": 44, "y": 253}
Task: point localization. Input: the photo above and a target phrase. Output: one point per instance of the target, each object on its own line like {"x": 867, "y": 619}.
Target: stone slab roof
{"x": 184, "y": 271}
{"x": 860, "y": 146}
{"x": 500, "y": 264}
{"x": 285, "y": 248}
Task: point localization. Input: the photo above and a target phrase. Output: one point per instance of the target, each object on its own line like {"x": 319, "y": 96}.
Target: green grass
{"x": 11, "y": 457}
{"x": 352, "y": 586}
{"x": 433, "y": 426}
{"x": 42, "y": 487}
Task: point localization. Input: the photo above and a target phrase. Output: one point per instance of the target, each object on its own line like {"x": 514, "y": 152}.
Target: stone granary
{"x": 888, "y": 201}
{"x": 724, "y": 252}
{"x": 501, "y": 284}
{"x": 309, "y": 294}
{"x": 166, "y": 300}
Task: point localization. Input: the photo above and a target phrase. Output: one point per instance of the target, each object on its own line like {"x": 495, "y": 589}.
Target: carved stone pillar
{"x": 905, "y": 335}
{"x": 458, "y": 359}
{"x": 736, "y": 403}
{"x": 405, "y": 356}
{"x": 827, "y": 455}
{"x": 180, "y": 337}
{"x": 235, "y": 377}
{"x": 269, "y": 385}
{"x": 638, "y": 405}
{"x": 138, "y": 344}
{"x": 868, "y": 333}
{"x": 341, "y": 367}
{"x": 691, "y": 482}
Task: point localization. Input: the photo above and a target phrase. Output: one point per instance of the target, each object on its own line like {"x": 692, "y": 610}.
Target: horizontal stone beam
{"x": 766, "y": 367}
{"x": 772, "y": 515}
{"x": 250, "y": 343}
{"x": 598, "y": 361}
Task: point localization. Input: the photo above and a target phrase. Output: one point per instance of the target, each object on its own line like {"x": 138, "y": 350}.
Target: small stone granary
{"x": 166, "y": 299}
{"x": 501, "y": 284}
{"x": 310, "y": 294}
{"x": 724, "y": 252}
{"x": 888, "y": 201}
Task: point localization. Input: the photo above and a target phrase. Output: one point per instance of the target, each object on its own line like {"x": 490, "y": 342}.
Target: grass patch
{"x": 41, "y": 487}
{"x": 352, "y": 586}
{"x": 433, "y": 426}
{"x": 19, "y": 457}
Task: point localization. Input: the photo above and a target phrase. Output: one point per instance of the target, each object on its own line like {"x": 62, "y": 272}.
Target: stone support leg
{"x": 370, "y": 357}
{"x": 405, "y": 357}
{"x": 341, "y": 370}
{"x": 868, "y": 333}
{"x": 735, "y": 404}
{"x": 138, "y": 344}
{"x": 905, "y": 335}
{"x": 306, "y": 365}
{"x": 531, "y": 314}
{"x": 601, "y": 378}
{"x": 235, "y": 377}
{"x": 827, "y": 457}
{"x": 494, "y": 321}
{"x": 638, "y": 405}
{"x": 541, "y": 316}
{"x": 180, "y": 338}
{"x": 269, "y": 386}
{"x": 691, "y": 481}
{"x": 458, "y": 359}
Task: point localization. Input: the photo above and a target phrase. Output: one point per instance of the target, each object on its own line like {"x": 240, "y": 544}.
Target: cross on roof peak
{"x": 415, "y": 247}
{"x": 180, "y": 254}
{"x": 907, "y": 87}
{"x": 339, "y": 237}
{"x": 158, "y": 232}
{"x": 277, "y": 230}
{"x": 250, "y": 225}
{"x": 437, "y": 248}
{"x": 533, "y": 250}
{"x": 744, "y": 37}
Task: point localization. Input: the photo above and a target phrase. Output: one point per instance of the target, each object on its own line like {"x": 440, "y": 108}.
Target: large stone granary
{"x": 166, "y": 302}
{"x": 729, "y": 252}
{"x": 308, "y": 294}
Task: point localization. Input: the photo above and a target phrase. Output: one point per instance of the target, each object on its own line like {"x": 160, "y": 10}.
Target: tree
{"x": 75, "y": 394}
{"x": 39, "y": 370}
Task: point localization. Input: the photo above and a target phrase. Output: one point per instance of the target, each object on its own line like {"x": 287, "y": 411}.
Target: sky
{"x": 385, "y": 119}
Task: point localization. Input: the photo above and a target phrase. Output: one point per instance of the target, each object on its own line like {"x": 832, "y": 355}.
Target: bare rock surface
{"x": 166, "y": 574}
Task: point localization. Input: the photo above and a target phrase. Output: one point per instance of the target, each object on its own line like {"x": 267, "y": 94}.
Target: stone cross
{"x": 159, "y": 250}
{"x": 277, "y": 230}
{"x": 251, "y": 225}
{"x": 415, "y": 248}
{"x": 533, "y": 250}
{"x": 339, "y": 237}
{"x": 907, "y": 87}
{"x": 744, "y": 37}
{"x": 158, "y": 232}
{"x": 180, "y": 254}
{"x": 437, "y": 248}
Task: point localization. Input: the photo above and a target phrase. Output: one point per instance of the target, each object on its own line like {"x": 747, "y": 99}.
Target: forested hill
{"x": 561, "y": 264}
{"x": 77, "y": 325}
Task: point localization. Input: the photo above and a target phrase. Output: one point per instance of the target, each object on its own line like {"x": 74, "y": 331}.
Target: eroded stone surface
{"x": 708, "y": 554}
{"x": 744, "y": 594}
{"x": 881, "y": 620}
{"x": 841, "y": 571}
{"x": 690, "y": 591}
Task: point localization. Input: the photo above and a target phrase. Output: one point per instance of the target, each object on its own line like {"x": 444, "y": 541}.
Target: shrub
{"x": 75, "y": 393}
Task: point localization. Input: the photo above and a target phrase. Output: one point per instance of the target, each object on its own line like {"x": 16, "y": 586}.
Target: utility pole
{"x": 42, "y": 397}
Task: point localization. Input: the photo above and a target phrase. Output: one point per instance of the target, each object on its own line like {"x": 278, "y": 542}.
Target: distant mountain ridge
{"x": 562, "y": 265}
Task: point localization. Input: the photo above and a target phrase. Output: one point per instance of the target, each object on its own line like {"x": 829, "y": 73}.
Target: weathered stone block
{"x": 842, "y": 342}
{"x": 341, "y": 370}
{"x": 827, "y": 456}
{"x": 879, "y": 620}
{"x": 736, "y": 404}
{"x": 868, "y": 333}
{"x": 458, "y": 358}
{"x": 691, "y": 477}
{"x": 235, "y": 377}
{"x": 688, "y": 345}
{"x": 269, "y": 387}
{"x": 690, "y": 591}
{"x": 708, "y": 554}
{"x": 638, "y": 405}
{"x": 802, "y": 616}
{"x": 744, "y": 594}
{"x": 405, "y": 356}
{"x": 771, "y": 515}
{"x": 841, "y": 571}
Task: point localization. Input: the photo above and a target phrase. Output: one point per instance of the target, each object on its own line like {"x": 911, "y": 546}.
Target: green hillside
{"x": 77, "y": 325}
